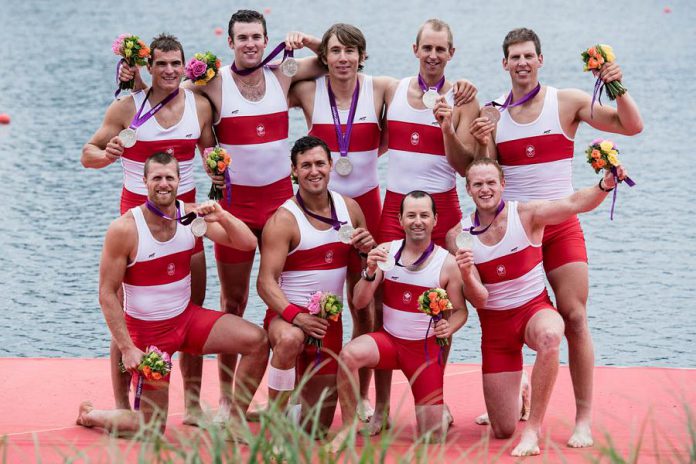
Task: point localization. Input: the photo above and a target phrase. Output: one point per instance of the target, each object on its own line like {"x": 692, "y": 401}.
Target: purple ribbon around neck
{"x": 596, "y": 95}
{"x": 424, "y": 86}
{"x": 441, "y": 352}
{"x": 477, "y": 221}
{"x": 138, "y": 392}
{"x": 276, "y": 51}
{"x": 628, "y": 181}
{"x": 184, "y": 220}
{"x": 508, "y": 101}
{"x": 343, "y": 139}
{"x": 332, "y": 221}
{"x": 428, "y": 251}
{"x": 139, "y": 119}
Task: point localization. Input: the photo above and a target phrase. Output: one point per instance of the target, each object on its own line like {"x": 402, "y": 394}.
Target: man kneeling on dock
{"x": 148, "y": 251}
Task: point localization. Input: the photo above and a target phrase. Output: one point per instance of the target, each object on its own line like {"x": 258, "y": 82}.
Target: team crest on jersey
{"x": 407, "y": 297}
{"x": 415, "y": 138}
{"x": 500, "y": 270}
{"x": 260, "y": 130}
{"x": 328, "y": 257}
{"x": 530, "y": 151}
{"x": 171, "y": 269}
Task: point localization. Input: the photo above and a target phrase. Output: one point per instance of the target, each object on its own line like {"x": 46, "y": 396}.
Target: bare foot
{"x": 447, "y": 416}
{"x": 365, "y": 410}
{"x": 526, "y": 394}
{"x": 223, "y": 415}
{"x": 193, "y": 416}
{"x": 376, "y": 425}
{"x": 82, "y": 419}
{"x": 581, "y": 437}
{"x": 483, "y": 419}
{"x": 254, "y": 415}
{"x": 528, "y": 445}
{"x": 338, "y": 442}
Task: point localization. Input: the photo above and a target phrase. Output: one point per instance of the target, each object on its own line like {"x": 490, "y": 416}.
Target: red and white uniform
{"x": 402, "y": 342}
{"x": 318, "y": 263}
{"x": 362, "y": 183}
{"x": 417, "y": 161}
{"x": 512, "y": 272}
{"x": 255, "y": 134}
{"x": 179, "y": 140}
{"x": 537, "y": 161}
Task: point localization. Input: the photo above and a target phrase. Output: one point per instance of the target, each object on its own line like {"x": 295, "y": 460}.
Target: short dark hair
{"x": 484, "y": 162}
{"x": 417, "y": 194}
{"x": 520, "y": 35}
{"x": 348, "y": 35}
{"x": 307, "y": 143}
{"x": 162, "y": 158}
{"x": 246, "y": 16}
{"x": 165, "y": 43}
{"x": 436, "y": 25}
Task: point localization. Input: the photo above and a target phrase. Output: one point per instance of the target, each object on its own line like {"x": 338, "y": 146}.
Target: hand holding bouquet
{"x": 594, "y": 58}
{"x": 155, "y": 364}
{"x": 133, "y": 51}
{"x": 433, "y": 302}
{"x": 326, "y": 306}
{"x": 217, "y": 160}
{"x": 202, "y": 68}
{"x": 604, "y": 155}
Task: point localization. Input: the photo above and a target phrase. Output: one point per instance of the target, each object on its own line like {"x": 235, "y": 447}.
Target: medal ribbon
{"x": 596, "y": 95}
{"x": 424, "y": 87}
{"x": 343, "y": 138}
{"x": 118, "y": 81}
{"x": 332, "y": 221}
{"x": 276, "y": 51}
{"x": 139, "y": 119}
{"x": 138, "y": 392}
{"x": 508, "y": 101}
{"x": 184, "y": 220}
{"x": 629, "y": 182}
{"x": 428, "y": 251}
{"x": 477, "y": 222}
{"x": 441, "y": 352}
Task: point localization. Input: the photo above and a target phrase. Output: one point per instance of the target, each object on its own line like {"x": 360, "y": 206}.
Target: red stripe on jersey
{"x": 403, "y": 297}
{"x": 419, "y": 138}
{"x": 252, "y": 130}
{"x": 535, "y": 150}
{"x": 363, "y": 137}
{"x": 509, "y": 267}
{"x": 329, "y": 256}
{"x": 159, "y": 271}
{"x": 182, "y": 149}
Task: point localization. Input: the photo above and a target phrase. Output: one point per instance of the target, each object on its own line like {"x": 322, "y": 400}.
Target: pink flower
{"x": 118, "y": 43}
{"x": 597, "y": 141}
{"x": 195, "y": 68}
{"x": 314, "y": 305}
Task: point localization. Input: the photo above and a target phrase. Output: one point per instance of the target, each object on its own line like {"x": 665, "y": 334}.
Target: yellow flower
{"x": 613, "y": 159}
{"x": 606, "y": 146}
{"x": 609, "y": 52}
{"x": 210, "y": 73}
{"x": 128, "y": 52}
{"x": 200, "y": 82}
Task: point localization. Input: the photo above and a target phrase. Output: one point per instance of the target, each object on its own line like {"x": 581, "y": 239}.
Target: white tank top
{"x": 402, "y": 288}
{"x": 536, "y": 157}
{"x": 255, "y": 134}
{"x": 157, "y": 284}
{"x": 319, "y": 261}
{"x": 179, "y": 140}
{"x": 511, "y": 270}
{"x": 416, "y": 147}
{"x": 364, "y": 140}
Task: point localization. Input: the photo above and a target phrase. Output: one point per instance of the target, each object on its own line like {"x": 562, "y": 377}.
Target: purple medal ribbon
{"x": 424, "y": 87}
{"x": 441, "y": 352}
{"x": 276, "y": 51}
{"x": 228, "y": 186}
{"x": 596, "y": 95}
{"x": 118, "y": 81}
{"x": 184, "y": 220}
{"x": 428, "y": 251}
{"x": 508, "y": 101}
{"x": 628, "y": 181}
{"x": 343, "y": 139}
{"x": 139, "y": 119}
{"x": 138, "y": 393}
{"x": 477, "y": 222}
{"x": 333, "y": 221}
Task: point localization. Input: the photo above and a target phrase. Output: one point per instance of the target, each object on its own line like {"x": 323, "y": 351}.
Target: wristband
{"x": 290, "y": 312}
{"x": 601, "y": 187}
{"x": 362, "y": 255}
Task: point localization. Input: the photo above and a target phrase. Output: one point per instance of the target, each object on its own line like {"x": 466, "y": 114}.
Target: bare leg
{"x": 363, "y": 322}
{"x": 383, "y": 381}
{"x": 501, "y": 391}
{"x": 543, "y": 334}
{"x": 310, "y": 396}
{"x": 525, "y": 398}
{"x": 432, "y": 419}
{"x": 287, "y": 342}
{"x": 234, "y": 293}
{"x": 192, "y": 365}
{"x": 120, "y": 381}
{"x": 570, "y": 285}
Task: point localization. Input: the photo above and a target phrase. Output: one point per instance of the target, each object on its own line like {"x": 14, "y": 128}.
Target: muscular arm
{"x": 460, "y": 146}
{"x": 625, "y": 119}
{"x": 301, "y": 95}
{"x": 453, "y": 285}
{"x": 364, "y": 291}
{"x": 362, "y": 239}
{"x": 276, "y": 239}
{"x": 105, "y": 147}
{"x": 224, "y": 228}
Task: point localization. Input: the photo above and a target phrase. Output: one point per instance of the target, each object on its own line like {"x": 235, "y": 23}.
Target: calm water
{"x": 57, "y": 73}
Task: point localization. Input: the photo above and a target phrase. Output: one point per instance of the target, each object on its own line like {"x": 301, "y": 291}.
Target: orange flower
{"x": 144, "y": 53}
{"x": 432, "y": 296}
{"x": 334, "y": 317}
{"x": 596, "y": 154}
{"x": 592, "y": 63}
{"x": 600, "y": 60}
{"x": 156, "y": 375}
{"x": 221, "y": 166}
{"x": 436, "y": 311}
{"x": 601, "y": 163}
{"x": 217, "y": 64}
{"x": 147, "y": 370}
{"x": 592, "y": 51}
{"x": 433, "y": 305}
{"x": 443, "y": 304}
{"x": 595, "y": 165}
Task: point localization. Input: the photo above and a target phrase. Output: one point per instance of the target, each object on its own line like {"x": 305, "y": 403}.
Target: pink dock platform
{"x": 642, "y": 409}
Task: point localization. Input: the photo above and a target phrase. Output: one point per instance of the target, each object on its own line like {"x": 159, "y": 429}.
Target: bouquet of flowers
{"x": 594, "y": 58}
{"x": 156, "y": 364}
{"x": 133, "y": 51}
{"x": 326, "y": 306}
{"x": 217, "y": 159}
{"x": 604, "y": 154}
{"x": 433, "y": 302}
{"x": 202, "y": 68}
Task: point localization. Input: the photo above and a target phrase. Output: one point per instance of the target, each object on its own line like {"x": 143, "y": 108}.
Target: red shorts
{"x": 371, "y": 205}
{"x": 425, "y": 375}
{"x": 253, "y": 205}
{"x": 330, "y": 348}
{"x": 502, "y": 334}
{"x": 449, "y": 214}
{"x": 186, "y": 332}
{"x": 131, "y": 200}
{"x": 563, "y": 243}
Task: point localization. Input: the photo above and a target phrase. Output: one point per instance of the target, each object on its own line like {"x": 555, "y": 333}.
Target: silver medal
{"x": 465, "y": 240}
{"x": 430, "y": 98}
{"x": 387, "y": 265}
{"x": 345, "y": 233}
{"x": 289, "y": 66}
{"x": 344, "y": 166}
{"x": 128, "y": 137}
{"x": 199, "y": 227}
{"x": 491, "y": 113}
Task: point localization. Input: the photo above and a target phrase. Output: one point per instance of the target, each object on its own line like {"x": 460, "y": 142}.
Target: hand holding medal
{"x": 385, "y": 261}
{"x": 288, "y": 66}
{"x": 430, "y": 94}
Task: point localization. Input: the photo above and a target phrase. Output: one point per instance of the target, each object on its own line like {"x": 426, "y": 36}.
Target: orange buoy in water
{"x": 667, "y": 9}
{"x": 4, "y": 118}
{"x": 266, "y": 11}
{"x": 218, "y": 30}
